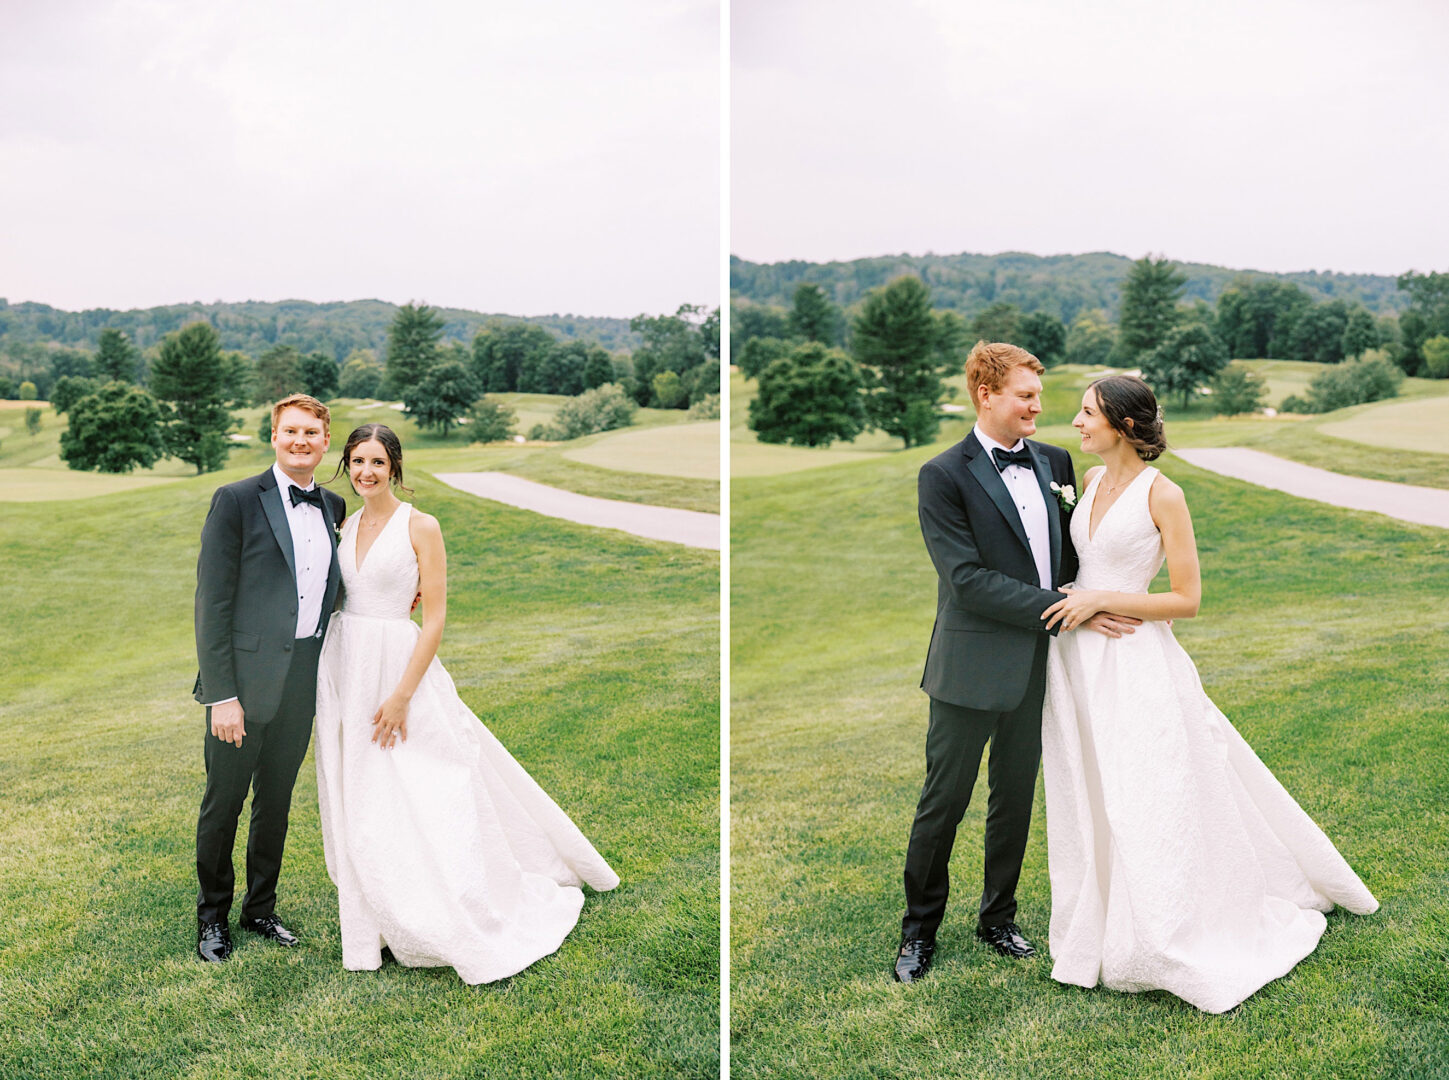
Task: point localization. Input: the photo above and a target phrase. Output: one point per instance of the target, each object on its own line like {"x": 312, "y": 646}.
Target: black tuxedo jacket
{"x": 988, "y": 601}
{"x": 246, "y": 594}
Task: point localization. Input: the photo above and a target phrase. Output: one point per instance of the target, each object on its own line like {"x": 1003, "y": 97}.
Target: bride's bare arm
{"x": 391, "y": 720}
{"x": 1168, "y": 506}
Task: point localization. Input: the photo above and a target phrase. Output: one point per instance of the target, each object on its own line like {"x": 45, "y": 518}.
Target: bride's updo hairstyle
{"x": 391, "y": 445}
{"x": 1131, "y": 408}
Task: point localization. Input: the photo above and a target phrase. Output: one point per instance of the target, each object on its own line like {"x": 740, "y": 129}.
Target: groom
{"x": 994, "y": 510}
{"x": 266, "y": 583}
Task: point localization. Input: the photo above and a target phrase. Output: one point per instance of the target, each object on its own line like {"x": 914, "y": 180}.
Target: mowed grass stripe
{"x": 592, "y": 655}
{"x": 1321, "y": 636}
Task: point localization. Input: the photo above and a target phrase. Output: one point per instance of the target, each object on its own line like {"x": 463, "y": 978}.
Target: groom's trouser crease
{"x": 955, "y": 741}
{"x": 267, "y": 763}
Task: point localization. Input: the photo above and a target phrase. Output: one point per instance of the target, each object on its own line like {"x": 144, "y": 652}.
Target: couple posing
{"x": 443, "y": 849}
{"x": 1177, "y": 861}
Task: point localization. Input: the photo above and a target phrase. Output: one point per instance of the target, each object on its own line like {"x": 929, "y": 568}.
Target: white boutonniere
{"x": 1066, "y": 495}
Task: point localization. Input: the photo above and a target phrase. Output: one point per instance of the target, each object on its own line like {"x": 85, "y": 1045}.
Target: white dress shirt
{"x": 1021, "y": 484}
{"x": 311, "y": 552}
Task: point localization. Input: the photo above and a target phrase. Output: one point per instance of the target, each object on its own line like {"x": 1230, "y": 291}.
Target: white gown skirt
{"x": 442, "y": 848}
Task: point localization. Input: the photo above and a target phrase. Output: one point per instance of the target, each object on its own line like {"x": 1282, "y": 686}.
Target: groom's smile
{"x": 300, "y": 440}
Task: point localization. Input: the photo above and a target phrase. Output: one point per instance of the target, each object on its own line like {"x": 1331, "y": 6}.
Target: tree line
{"x": 826, "y": 374}
{"x": 124, "y": 413}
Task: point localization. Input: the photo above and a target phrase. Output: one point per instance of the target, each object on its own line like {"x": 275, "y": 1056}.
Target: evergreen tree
{"x": 412, "y": 346}
{"x": 189, "y": 380}
{"x": 116, "y": 357}
{"x": 442, "y": 397}
{"x": 903, "y": 349}
{"x": 812, "y": 397}
{"x": 999, "y": 322}
{"x": 813, "y": 317}
{"x": 319, "y": 376}
{"x": 1149, "y": 305}
{"x": 114, "y": 430}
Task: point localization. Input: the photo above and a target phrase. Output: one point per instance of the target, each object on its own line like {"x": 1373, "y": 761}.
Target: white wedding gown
{"x": 1177, "y": 861}
{"x": 442, "y": 847}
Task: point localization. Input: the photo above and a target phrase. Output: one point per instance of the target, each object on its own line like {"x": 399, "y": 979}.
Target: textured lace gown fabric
{"x": 442, "y": 848}
{"x": 1177, "y": 861}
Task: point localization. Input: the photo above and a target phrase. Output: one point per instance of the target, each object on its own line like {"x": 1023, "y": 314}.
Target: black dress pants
{"x": 954, "y": 743}
{"x": 266, "y": 762}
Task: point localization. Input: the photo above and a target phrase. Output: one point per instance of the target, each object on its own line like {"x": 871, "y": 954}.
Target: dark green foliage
{"x": 1044, "y": 336}
{"x": 361, "y": 375}
{"x": 999, "y": 322}
{"x": 758, "y": 354}
{"x": 1062, "y": 285}
{"x": 189, "y": 380}
{"x": 598, "y": 368}
{"x": 813, "y": 317}
{"x": 8, "y": 388}
{"x": 502, "y": 351}
{"x": 603, "y": 408}
{"x": 1371, "y": 378}
{"x": 903, "y": 349}
{"x": 278, "y": 372}
{"x": 491, "y": 420}
{"x": 116, "y": 358}
{"x": 72, "y": 362}
{"x": 1237, "y": 389}
{"x": 1318, "y": 334}
{"x": 69, "y": 389}
{"x": 412, "y": 347}
{"x": 1149, "y": 305}
{"x": 320, "y": 376}
{"x": 442, "y": 397}
{"x": 681, "y": 343}
{"x": 1189, "y": 357}
{"x": 703, "y": 381}
{"x": 1090, "y": 339}
{"x": 812, "y": 397}
{"x": 114, "y": 430}
{"x": 1359, "y": 333}
{"x": 32, "y": 420}
{"x": 749, "y": 321}
{"x": 1435, "y": 352}
{"x": 1427, "y": 316}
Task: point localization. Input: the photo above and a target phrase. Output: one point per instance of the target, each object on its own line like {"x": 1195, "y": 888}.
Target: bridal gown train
{"x": 442, "y": 847}
{"x": 1177, "y": 861}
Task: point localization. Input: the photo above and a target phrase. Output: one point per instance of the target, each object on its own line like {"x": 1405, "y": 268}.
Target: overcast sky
{"x": 551, "y": 156}
{"x": 1266, "y": 134}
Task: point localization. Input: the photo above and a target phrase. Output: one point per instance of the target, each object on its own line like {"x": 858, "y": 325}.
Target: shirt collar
{"x": 284, "y": 481}
{"x": 991, "y": 444}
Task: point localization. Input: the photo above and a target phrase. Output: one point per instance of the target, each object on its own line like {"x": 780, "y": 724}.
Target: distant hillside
{"x": 252, "y": 327}
{"x": 1061, "y": 285}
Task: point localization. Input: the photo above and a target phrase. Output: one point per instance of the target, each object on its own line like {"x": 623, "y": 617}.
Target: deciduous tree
{"x": 116, "y": 429}
{"x": 812, "y": 397}
{"x": 1189, "y": 357}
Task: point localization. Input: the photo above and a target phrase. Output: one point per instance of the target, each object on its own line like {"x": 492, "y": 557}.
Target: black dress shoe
{"x": 271, "y": 928}
{"x": 1007, "y": 940}
{"x": 213, "y": 942}
{"x": 914, "y": 959}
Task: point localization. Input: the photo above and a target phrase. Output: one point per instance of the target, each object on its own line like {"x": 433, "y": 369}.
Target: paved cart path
{"x": 689, "y": 527}
{"x": 1421, "y": 505}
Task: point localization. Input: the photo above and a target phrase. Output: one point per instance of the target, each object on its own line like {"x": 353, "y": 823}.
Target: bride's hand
{"x": 1077, "y": 607}
{"x": 390, "y": 721}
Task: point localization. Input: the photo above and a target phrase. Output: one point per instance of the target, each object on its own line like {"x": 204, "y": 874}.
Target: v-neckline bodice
{"x": 1093, "y": 533}
{"x": 358, "y": 557}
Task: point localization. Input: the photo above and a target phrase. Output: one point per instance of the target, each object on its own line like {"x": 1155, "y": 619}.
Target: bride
{"x": 441, "y": 846}
{"x": 1177, "y": 861}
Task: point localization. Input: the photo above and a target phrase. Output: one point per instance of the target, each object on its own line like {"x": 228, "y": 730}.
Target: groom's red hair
{"x": 306, "y": 404}
{"x": 991, "y": 362}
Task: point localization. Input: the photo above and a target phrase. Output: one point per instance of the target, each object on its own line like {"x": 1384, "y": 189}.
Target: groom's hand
{"x": 1104, "y": 622}
{"x": 228, "y": 722}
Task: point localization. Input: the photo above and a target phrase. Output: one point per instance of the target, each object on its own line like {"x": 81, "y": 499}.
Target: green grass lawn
{"x": 593, "y": 655}
{"x": 689, "y": 450}
{"x": 1321, "y": 636}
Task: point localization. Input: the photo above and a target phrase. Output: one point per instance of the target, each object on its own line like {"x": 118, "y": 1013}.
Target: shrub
{"x": 1371, "y": 378}
{"x": 1294, "y": 404}
{"x": 1436, "y": 356}
{"x": 706, "y": 408}
{"x": 1236, "y": 389}
{"x": 491, "y": 420}
{"x": 27, "y": 391}
{"x": 603, "y": 408}
{"x": 32, "y": 420}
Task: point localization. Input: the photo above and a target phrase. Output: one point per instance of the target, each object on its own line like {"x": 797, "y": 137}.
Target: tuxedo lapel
{"x": 984, "y": 469}
{"x": 271, "y": 498}
{"x": 1044, "y": 480}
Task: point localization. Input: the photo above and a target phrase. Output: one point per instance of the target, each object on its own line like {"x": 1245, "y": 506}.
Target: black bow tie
{"x": 314, "y": 496}
{"x": 1003, "y": 458}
